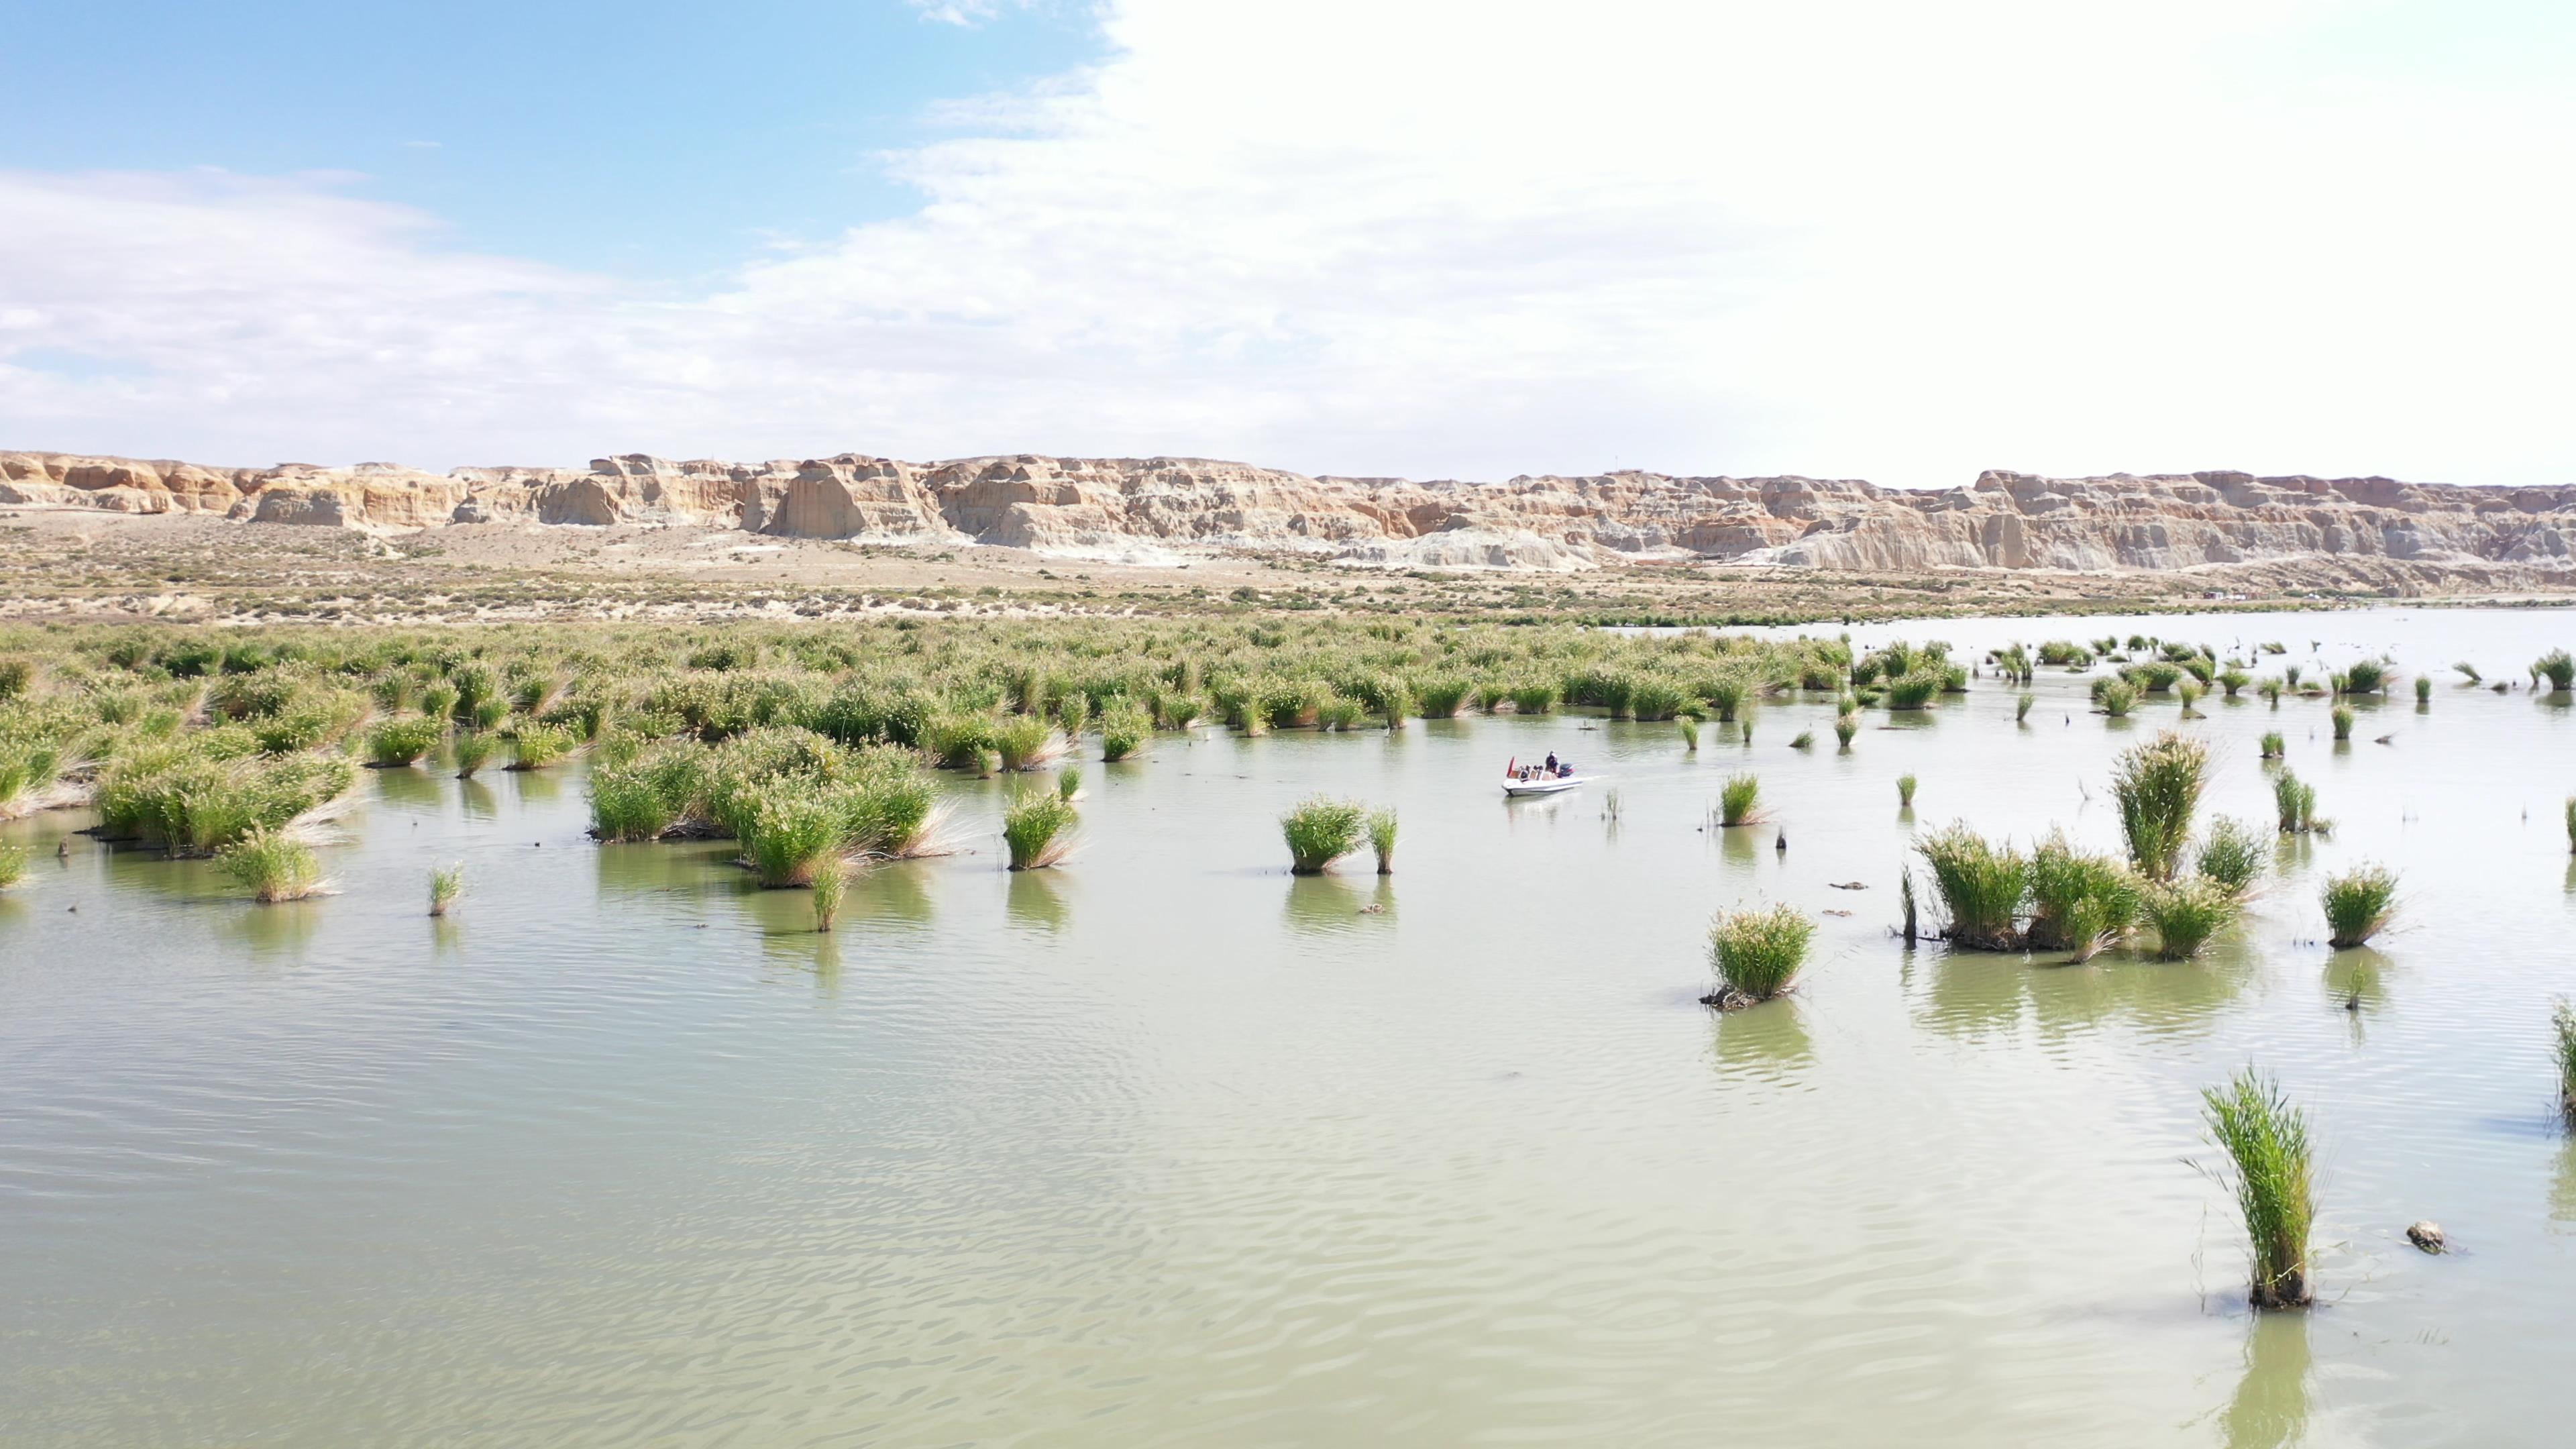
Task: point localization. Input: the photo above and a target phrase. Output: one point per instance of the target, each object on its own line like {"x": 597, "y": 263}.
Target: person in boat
{"x": 1551, "y": 765}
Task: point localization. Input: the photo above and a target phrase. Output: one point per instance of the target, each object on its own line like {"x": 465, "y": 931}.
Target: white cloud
{"x": 1877, "y": 239}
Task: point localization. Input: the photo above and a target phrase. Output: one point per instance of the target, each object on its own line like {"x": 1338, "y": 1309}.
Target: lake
{"x": 1166, "y": 1146}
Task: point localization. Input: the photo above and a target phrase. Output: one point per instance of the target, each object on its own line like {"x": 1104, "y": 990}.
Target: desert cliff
{"x": 1148, "y": 510}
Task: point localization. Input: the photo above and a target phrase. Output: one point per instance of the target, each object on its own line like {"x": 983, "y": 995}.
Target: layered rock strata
{"x": 1166, "y": 509}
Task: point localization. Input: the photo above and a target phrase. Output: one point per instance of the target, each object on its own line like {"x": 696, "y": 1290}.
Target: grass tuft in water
{"x": 2273, "y": 746}
{"x": 272, "y": 865}
{"x": 831, "y": 882}
{"x": 1320, "y": 831}
{"x": 2158, "y": 786}
{"x": 446, "y": 883}
{"x": 1026, "y": 741}
{"x": 1381, "y": 834}
{"x": 1805, "y": 740}
{"x": 473, "y": 750}
{"x": 1739, "y": 800}
{"x": 2079, "y": 901}
{"x": 1068, "y": 781}
{"x": 2423, "y": 689}
{"x": 1915, "y": 691}
{"x": 2233, "y": 855}
{"x": 1034, "y": 826}
{"x": 1690, "y": 732}
{"x": 2270, "y": 1168}
{"x": 2295, "y": 801}
{"x": 1756, "y": 954}
{"x": 1123, "y": 731}
{"x": 2556, "y": 667}
{"x": 2342, "y": 717}
{"x": 2359, "y": 904}
{"x": 402, "y": 741}
{"x": 1905, "y": 790}
{"x": 1981, "y": 886}
{"x": 2186, "y": 914}
{"x": 2562, "y": 1026}
{"x": 2117, "y": 697}
{"x": 1846, "y": 726}
{"x": 2021, "y": 706}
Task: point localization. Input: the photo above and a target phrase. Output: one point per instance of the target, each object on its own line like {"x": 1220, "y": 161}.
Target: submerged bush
{"x": 1034, "y": 826}
{"x": 2358, "y": 904}
{"x": 2270, "y": 1167}
{"x": 271, "y": 865}
{"x": 2157, "y": 787}
{"x": 2186, "y": 913}
{"x": 2233, "y": 855}
{"x": 1320, "y": 831}
{"x": 1757, "y": 954}
{"x": 1980, "y": 885}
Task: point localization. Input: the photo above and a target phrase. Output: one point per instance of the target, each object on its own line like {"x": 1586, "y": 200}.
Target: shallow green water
{"x": 1166, "y": 1147}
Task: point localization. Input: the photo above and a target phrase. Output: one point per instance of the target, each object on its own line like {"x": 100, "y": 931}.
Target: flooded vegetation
{"x": 985, "y": 1031}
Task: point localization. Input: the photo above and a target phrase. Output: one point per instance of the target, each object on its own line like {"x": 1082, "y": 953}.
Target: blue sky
{"x": 645, "y": 136}
{"x": 1872, "y": 238}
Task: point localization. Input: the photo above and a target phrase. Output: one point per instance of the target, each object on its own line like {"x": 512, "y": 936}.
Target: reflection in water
{"x": 1336, "y": 903}
{"x": 2562, "y": 1192}
{"x": 408, "y": 786}
{"x": 2355, "y": 981}
{"x": 536, "y": 786}
{"x": 2571, "y": 875}
{"x": 677, "y": 867}
{"x": 892, "y": 892}
{"x": 1035, "y": 901}
{"x": 1977, "y": 992}
{"x": 477, "y": 798}
{"x": 1765, "y": 1040}
{"x": 1739, "y": 843}
{"x": 276, "y": 934}
{"x": 2270, "y": 1409}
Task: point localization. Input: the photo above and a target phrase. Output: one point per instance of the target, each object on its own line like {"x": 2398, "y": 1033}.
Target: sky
{"x": 1846, "y": 238}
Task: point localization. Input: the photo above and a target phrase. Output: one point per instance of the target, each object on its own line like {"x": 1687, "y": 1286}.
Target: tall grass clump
{"x": 1034, "y": 827}
{"x": 1756, "y": 954}
{"x": 2366, "y": 676}
{"x": 1690, "y": 732}
{"x": 2571, "y": 824}
{"x": 537, "y": 746}
{"x": 2423, "y": 689}
{"x": 2117, "y": 697}
{"x": 2270, "y": 1166}
{"x": 2358, "y": 904}
{"x": 2185, "y": 914}
{"x": 1905, "y": 790}
{"x": 272, "y": 865}
{"x": 1123, "y": 732}
{"x": 2342, "y": 717}
{"x": 790, "y": 835}
{"x": 473, "y": 751}
{"x": 2233, "y": 855}
{"x": 831, "y": 882}
{"x": 1739, "y": 800}
{"x": 2273, "y": 746}
{"x": 1025, "y": 741}
{"x": 2021, "y": 706}
{"x": 2295, "y": 801}
{"x": 2157, "y": 786}
{"x": 446, "y": 883}
{"x": 2556, "y": 667}
{"x": 1981, "y": 886}
{"x": 397, "y": 742}
{"x": 1915, "y": 691}
{"x": 2079, "y": 901}
{"x": 1068, "y": 782}
{"x": 2562, "y": 1026}
{"x": 1381, "y": 834}
{"x": 1846, "y": 725}
{"x": 2469, "y": 672}
{"x": 1320, "y": 831}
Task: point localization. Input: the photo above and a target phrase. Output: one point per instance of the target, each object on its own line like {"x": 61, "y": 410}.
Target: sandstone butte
{"x": 1147, "y": 510}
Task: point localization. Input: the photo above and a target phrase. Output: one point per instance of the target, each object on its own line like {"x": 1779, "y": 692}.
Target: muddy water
{"x": 1166, "y": 1147}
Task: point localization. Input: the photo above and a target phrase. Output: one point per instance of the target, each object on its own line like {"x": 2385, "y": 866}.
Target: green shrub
{"x": 2366, "y": 676}
{"x": 2271, "y": 1168}
{"x": 1757, "y": 954}
{"x": 403, "y": 741}
{"x": 1981, "y": 886}
{"x": 2234, "y": 681}
{"x": 2358, "y": 904}
{"x": 1320, "y": 831}
{"x": 2117, "y": 697}
{"x": 2078, "y": 899}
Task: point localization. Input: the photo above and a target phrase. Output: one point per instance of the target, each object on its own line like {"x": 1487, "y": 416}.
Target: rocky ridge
{"x": 1148, "y": 510}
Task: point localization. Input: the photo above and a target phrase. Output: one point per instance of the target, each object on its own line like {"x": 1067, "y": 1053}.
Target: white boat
{"x": 1515, "y": 787}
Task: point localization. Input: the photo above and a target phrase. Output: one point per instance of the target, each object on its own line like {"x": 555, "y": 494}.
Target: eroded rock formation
{"x": 1150, "y": 509}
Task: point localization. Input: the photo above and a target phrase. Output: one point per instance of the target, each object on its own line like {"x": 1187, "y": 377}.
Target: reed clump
{"x": 2342, "y": 716}
{"x": 1321, "y": 830}
{"x": 2186, "y": 913}
{"x": 446, "y": 884}
{"x": 1381, "y": 834}
{"x": 2295, "y": 801}
{"x": 2556, "y": 667}
{"x": 2021, "y": 706}
{"x": 1068, "y": 782}
{"x": 2562, "y": 1026}
{"x": 1846, "y": 725}
{"x": 2079, "y": 901}
{"x": 396, "y": 742}
{"x": 1123, "y": 732}
{"x": 2359, "y": 904}
{"x": 2157, "y": 787}
{"x": 831, "y": 883}
{"x": 2270, "y": 1166}
{"x": 2273, "y": 746}
{"x": 1981, "y": 886}
{"x": 1739, "y": 800}
{"x": 1905, "y": 790}
{"x": 1756, "y": 954}
{"x": 1034, "y": 827}
{"x": 2233, "y": 855}
{"x": 2117, "y": 697}
{"x": 473, "y": 750}
{"x": 272, "y": 865}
